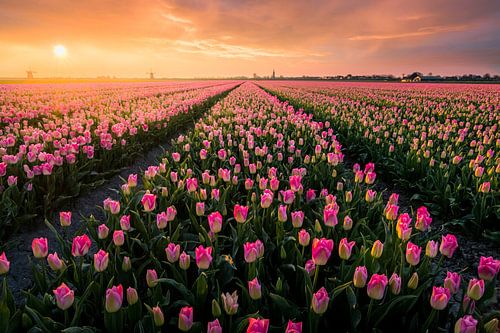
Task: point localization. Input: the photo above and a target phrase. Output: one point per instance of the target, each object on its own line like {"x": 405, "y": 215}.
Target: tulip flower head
{"x": 64, "y": 297}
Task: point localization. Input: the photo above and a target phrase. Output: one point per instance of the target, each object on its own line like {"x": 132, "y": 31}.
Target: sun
{"x": 60, "y": 51}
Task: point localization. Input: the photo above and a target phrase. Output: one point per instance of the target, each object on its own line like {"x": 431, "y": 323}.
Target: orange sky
{"x": 188, "y": 38}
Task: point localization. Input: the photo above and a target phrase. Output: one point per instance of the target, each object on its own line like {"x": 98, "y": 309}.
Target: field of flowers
{"x": 440, "y": 141}
{"x": 57, "y": 141}
{"x": 253, "y": 222}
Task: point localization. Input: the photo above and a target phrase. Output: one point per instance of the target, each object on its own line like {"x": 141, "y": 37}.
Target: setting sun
{"x": 60, "y": 51}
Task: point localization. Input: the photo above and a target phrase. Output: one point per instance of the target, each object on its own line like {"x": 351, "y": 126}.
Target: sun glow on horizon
{"x": 60, "y": 51}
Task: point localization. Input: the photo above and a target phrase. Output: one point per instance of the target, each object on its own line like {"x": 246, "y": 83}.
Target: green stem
{"x": 316, "y": 273}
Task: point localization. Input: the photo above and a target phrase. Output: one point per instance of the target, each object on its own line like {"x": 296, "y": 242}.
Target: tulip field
{"x": 270, "y": 214}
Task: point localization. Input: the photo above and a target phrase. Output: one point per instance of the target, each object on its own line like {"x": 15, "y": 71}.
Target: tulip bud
{"x": 431, "y": 249}
{"x": 360, "y": 276}
{"x": 151, "y": 278}
{"x": 132, "y": 296}
{"x": 102, "y": 231}
{"x": 216, "y": 311}
{"x": 395, "y": 284}
{"x": 254, "y": 289}
{"x": 304, "y": 237}
{"x": 413, "y": 282}
{"x": 126, "y": 264}
{"x": 118, "y": 238}
{"x": 377, "y": 249}
{"x": 347, "y": 223}
{"x": 65, "y": 219}
{"x": 53, "y": 260}
{"x": 4, "y": 264}
{"x": 184, "y": 260}
{"x": 491, "y": 326}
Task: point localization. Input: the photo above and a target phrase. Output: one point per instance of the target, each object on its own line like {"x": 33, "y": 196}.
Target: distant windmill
{"x": 29, "y": 74}
{"x": 151, "y": 74}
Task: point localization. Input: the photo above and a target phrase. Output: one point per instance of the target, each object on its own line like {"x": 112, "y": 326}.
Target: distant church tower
{"x": 274, "y": 75}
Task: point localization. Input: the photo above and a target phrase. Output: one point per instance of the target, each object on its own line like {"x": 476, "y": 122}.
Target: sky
{"x": 220, "y": 38}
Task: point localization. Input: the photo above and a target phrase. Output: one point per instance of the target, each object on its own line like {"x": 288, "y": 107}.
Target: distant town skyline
{"x": 222, "y": 38}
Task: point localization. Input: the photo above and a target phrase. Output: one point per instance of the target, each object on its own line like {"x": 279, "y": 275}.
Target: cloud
{"x": 425, "y": 31}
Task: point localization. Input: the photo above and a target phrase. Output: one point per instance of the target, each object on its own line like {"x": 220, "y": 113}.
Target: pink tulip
{"x": 161, "y": 220}
{"x": 370, "y": 177}
{"x": 118, "y": 237}
{"x": 466, "y": 324}
{"x": 114, "y": 298}
{"x": 214, "y": 326}
{"x": 369, "y": 196}
{"x": 230, "y": 302}
{"x": 431, "y": 249}
{"x": 158, "y": 316}
{"x": 184, "y": 261}
{"x": 310, "y": 267}
{"x": 64, "y": 297}
{"x": 304, "y": 237}
{"x": 360, "y": 276}
{"x": 240, "y": 213}
{"x": 148, "y": 201}
{"x": 347, "y": 223}
{"x": 101, "y": 260}
{"x": 200, "y": 208}
{"x": 185, "y": 319}
{"x": 377, "y": 249}
{"x": 320, "y": 300}
{"x": 321, "y": 250}
{"x": 65, "y": 219}
{"x": 376, "y": 286}
{"x": 125, "y": 222}
{"x": 266, "y": 199}
{"x": 258, "y": 325}
{"x": 102, "y": 231}
{"x": 439, "y": 298}
{"x": 132, "y": 180}
{"x": 132, "y": 296}
{"x": 395, "y": 284}
{"x": 292, "y": 327}
{"x": 215, "y": 222}
{"x": 391, "y": 212}
{"x": 4, "y": 264}
{"x": 475, "y": 289}
{"x": 330, "y": 214}
{"x": 126, "y": 264}
{"x": 171, "y": 213}
{"x": 173, "y": 251}
{"x": 40, "y": 247}
{"x": 488, "y": 268}
{"x": 403, "y": 230}
{"x": 452, "y": 282}
{"x": 282, "y": 217}
{"x": 424, "y": 219}
{"x": 254, "y": 289}
{"x": 413, "y": 253}
{"x": 151, "y": 278}
{"x": 448, "y": 245}
{"x": 297, "y": 218}
{"x": 203, "y": 257}
{"x": 310, "y": 195}
{"x": 345, "y": 248}
{"x": 287, "y": 196}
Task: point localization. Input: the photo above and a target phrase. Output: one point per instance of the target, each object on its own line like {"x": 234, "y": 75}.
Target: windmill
{"x": 151, "y": 74}
{"x": 29, "y": 74}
